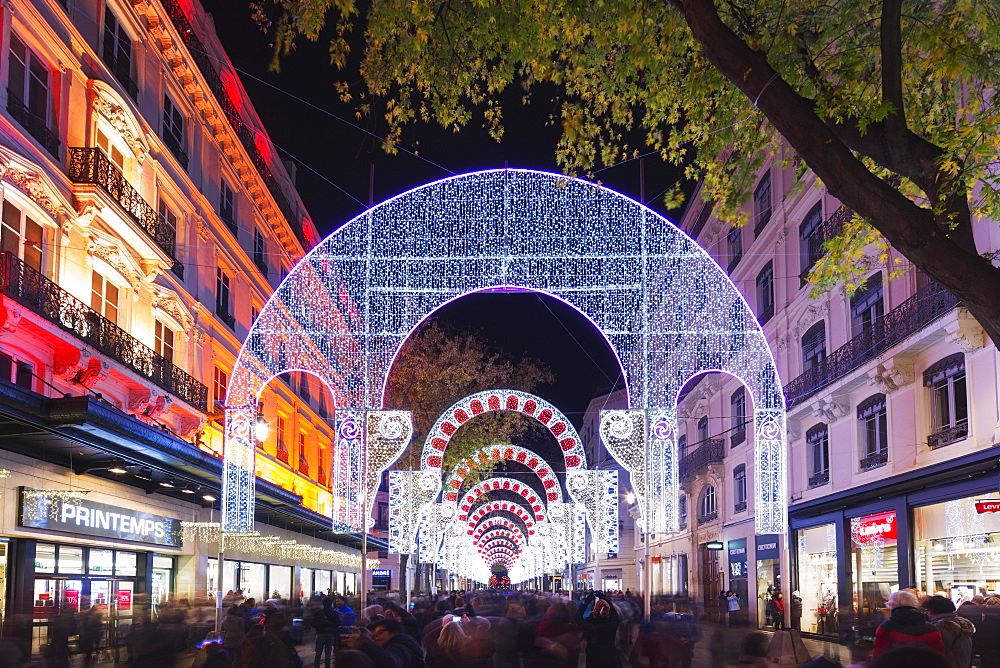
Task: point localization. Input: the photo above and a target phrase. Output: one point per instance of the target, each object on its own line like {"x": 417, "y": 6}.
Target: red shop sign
{"x": 870, "y": 527}
{"x": 987, "y": 507}
{"x": 124, "y": 600}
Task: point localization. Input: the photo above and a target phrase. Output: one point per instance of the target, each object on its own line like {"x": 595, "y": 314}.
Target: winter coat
{"x": 956, "y": 634}
{"x": 325, "y": 621}
{"x": 906, "y": 626}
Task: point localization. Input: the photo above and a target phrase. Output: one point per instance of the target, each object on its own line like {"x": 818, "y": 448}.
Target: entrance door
{"x": 111, "y": 610}
{"x": 711, "y": 582}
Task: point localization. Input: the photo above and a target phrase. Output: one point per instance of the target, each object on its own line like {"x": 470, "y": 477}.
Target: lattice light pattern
{"x": 667, "y": 310}
{"x": 489, "y": 456}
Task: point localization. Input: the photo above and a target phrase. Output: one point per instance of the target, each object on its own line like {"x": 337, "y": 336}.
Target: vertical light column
{"x": 771, "y": 509}
{"x": 348, "y": 471}
{"x": 238, "y": 475}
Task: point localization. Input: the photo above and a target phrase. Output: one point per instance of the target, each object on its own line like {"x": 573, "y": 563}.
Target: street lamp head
{"x": 629, "y": 498}
{"x": 261, "y": 428}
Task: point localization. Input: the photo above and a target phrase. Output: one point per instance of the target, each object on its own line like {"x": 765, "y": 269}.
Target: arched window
{"x": 818, "y": 444}
{"x": 740, "y": 488}
{"x": 708, "y": 508}
{"x": 682, "y": 511}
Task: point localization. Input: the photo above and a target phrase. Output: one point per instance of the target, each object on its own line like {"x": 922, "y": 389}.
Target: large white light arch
{"x": 667, "y": 309}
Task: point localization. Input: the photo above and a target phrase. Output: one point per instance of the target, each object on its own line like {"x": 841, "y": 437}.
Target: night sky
{"x": 334, "y": 156}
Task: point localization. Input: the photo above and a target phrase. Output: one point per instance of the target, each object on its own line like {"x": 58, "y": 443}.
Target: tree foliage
{"x": 891, "y": 104}
{"x": 439, "y": 365}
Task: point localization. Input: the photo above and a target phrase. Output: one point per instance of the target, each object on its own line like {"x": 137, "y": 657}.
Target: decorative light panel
{"x": 524, "y": 513}
{"x": 410, "y": 496}
{"x": 597, "y": 491}
{"x": 665, "y": 308}
{"x": 488, "y": 456}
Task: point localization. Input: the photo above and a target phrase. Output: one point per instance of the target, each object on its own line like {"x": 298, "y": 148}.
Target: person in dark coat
{"x": 600, "y": 628}
{"x": 387, "y": 646}
{"x": 956, "y": 632}
{"x": 795, "y": 607}
{"x": 988, "y": 630}
{"x": 325, "y": 622}
{"x": 906, "y": 626}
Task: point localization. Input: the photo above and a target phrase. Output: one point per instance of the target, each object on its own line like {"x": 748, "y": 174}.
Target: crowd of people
{"x": 494, "y": 629}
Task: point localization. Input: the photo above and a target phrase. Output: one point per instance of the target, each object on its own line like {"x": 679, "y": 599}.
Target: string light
{"x": 667, "y": 310}
{"x": 253, "y": 542}
{"x": 40, "y": 504}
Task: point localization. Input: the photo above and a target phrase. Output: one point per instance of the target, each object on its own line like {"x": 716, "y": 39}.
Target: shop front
{"x": 107, "y": 584}
{"x": 936, "y": 530}
{"x": 768, "y": 554}
{"x": 738, "y": 573}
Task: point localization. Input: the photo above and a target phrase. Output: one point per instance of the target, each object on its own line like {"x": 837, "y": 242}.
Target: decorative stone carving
{"x": 68, "y": 363}
{"x": 829, "y": 409}
{"x": 167, "y": 301}
{"x": 118, "y": 119}
{"x": 814, "y": 312}
{"x": 95, "y": 371}
{"x": 779, "y": 241}
{"x": 188, "y": 424}
{"x": 965, "y": 332}
{"x": 139, "y": 400}
{"x": 891, "y": 374}
{"x": 158, "y": 405}
{"x": 11, "y": 321}
{"x": 29, "y": 179}
{"x": 113, "y": 255}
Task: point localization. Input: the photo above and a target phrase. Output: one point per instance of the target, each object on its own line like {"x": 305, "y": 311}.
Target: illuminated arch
{"x": 489, "y": 485}
{"x": 503, "y": 400}
{"x": 484, "y": 537}
{"x": 523, "y": 512}
{"x": 667, "y": 310}
{"x": 511, "y": 453}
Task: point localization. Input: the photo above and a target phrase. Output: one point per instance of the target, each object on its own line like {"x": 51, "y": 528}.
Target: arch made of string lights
{"x": 522, "y": 512}
{"x": 513, "y": 533}
{"x": 491, "y": 454}
{"x": 524, "y": 403}
{"x": 666, "y": 309}
{"x": 490, "y": 485}
{"x": 487, "y": 523}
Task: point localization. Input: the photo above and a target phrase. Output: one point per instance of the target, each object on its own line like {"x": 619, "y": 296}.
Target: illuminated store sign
{"x": 73, "y": 515}
{"x": 880, "y": 527}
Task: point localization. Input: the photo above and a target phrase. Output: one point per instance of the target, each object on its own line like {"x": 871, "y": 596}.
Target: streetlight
{"x": 261, "y": 429}
{"x": 629, "y": 498}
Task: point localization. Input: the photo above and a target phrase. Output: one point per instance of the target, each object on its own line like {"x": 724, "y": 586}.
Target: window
{"x": 810, "y": 241}
{"x": 814, "y": 347}
{"x": 227, "y": 206}
{"x": 765, "y": 293}
{"x": 223, "y": 297}
{"x": 29, "y": 96}
{"x": 740, "y": 488}
{"x": 682, "y": 512}
{"x": 20, "y": 373}
{"x": 303, "y": 462}
{"x": 166, "y": 236}
{"x": 104, "y": 297}
{"x": 734, "y": 245}
{"x": 21, "y": 236}
{"x": 220, "y": 381}
{"x": 383, "y": 515}
{"x": 682, "y": 444}
{"x": 163, "y": 341}
{"x": 703, "y": 429}
{"x": 866, "y": 305}
{"x": 708, "y": 508}
{"x": 949, "y": 400}
{"x": 874, "y": 432}
{"x": 282, "y": 452}
{"x": 118, "y": 52}
{"x": 112, "y": 152}
{"x": 762, "y": 203}
{"x": 173, "y": 130}
{"x": 259, "y": 246}
{"x": 818, "y": 445}
{"x": 738, "y": 417}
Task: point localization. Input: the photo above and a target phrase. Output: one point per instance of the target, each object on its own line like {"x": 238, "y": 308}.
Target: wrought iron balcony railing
{"x": 174, "y": 144}
{"x": 122, "y": 69}
{"x": 32, "y": 289}
{"x": 928, "y": 304}
{"x": 712, "y": 451}
{"x": 91, "y": 166}
{"x": 708, "y": 517}
{"x": 35, "y": 125}
{"x": 740, "y": 507}
{"x": 949, "y": 435}
{"x": 818, "y": 479}
{"x": 247, "y": 136}
{"x": 874, "y": 461}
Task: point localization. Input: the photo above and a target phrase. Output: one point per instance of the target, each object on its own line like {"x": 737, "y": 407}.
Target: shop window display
{"x": 957, "y": 548}
{"x": 817, "y": 563}
{"x": 875, "y": 565}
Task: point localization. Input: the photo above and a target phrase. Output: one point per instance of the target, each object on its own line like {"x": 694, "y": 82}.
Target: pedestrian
{"x": 906, "y": 626}
{"x": 795, "y": 607}
{"x": 325, "y": 621}
{"x": 956, "y": 632}
{"x": 600, "y": 628}
{"x": 777, "y": 606}
{"x": 234, "y": 629}
{"x": 753, "y": 650}
{"x": 387, "y": 645}
{"x": 347, "y": 616}
{"x": 733, "y": 605}
{"x": 989, "y": 630}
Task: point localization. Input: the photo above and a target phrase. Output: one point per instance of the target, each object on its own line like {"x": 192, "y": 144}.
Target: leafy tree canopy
{"x": 437, "y": 366}
{"x": 891, "y": 104}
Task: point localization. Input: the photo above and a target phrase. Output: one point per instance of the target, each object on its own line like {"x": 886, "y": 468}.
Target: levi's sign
{"x": 97, "y": 519}
{"x": 987, "y": 507}
{"x": 875, "y": 528}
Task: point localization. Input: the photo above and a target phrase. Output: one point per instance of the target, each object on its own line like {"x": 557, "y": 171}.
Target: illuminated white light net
{"x": 667, "y": 310}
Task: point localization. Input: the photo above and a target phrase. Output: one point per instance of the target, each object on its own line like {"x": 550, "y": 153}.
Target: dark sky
{"x": 334, "y": 154}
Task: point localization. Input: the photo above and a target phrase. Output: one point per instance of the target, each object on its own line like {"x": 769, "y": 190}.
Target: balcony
{"x": 708, "y": 517}
{"x": 819, "y": 479}
{"x": 174, "y": 144}
{"x": 33, "y": 290}
{"x": 948, "y": 435}
{"x": 740, "y": 507}
{"x": 712, "y": 451}
{"x": 92, "y": 167}
{"x": 303, "y": 466}
{"x": 225, "y": 316}
{"x": 35, "y": 125}
{"x": 927, "y": 305}
{"x": 122, "y": 69}
{"x": 830, "y": 228}
{"x": 875, "y": 461}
